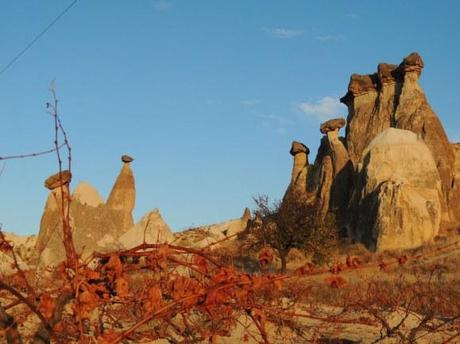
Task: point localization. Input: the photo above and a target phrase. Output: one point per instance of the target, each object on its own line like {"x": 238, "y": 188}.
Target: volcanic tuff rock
{"x": 342, "y": 167}
{"x": 24, "y": 247}
{"x": 332, "y": 125}
{"x": 204, "y": 236}
{"x": 326, "y": 183}
{"x": 94, "y": 228}
{"x": 392, "y": 97}
{"x": 87, "y": 194}
{"x": 389, "y": 98}
{"x": 396, "y": 202}
{"x": 299, "y": 174}
{"x": 127, "y": 158}
{"x": 151, "y": 229}
{"x": 123, "y": 195}
{"x": 96, "y": 225}
{"x": 58, "y": 179}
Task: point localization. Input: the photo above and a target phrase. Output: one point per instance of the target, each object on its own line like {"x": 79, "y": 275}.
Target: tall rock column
{"x": 299, "y": 174}
{"x": 123, "y": 194}
{"x": 51, "y": 220}
{"x": 342, "y": 168}
{"x": 338, "y": 151}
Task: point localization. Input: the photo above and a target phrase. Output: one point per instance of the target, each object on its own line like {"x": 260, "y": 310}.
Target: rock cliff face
{"x": 361, "y": 178}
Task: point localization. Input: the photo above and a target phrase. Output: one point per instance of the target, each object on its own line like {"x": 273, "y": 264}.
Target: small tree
{"x": 292, "y": 223}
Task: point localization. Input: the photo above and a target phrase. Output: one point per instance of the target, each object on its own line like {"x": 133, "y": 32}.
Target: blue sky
{"x": 206, "y": 95}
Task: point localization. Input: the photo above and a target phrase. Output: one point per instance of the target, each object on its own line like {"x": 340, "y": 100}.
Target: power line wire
{"x": 37, "y": 37}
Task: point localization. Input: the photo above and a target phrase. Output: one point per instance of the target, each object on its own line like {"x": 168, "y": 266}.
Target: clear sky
{"x": 205, "y": 95}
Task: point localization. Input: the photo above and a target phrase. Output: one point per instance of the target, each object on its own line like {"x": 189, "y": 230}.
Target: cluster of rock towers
{"x": 392, "y": 180}
{"x": 97, "y": 226}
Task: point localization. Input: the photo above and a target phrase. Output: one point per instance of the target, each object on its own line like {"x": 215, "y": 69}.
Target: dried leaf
{"x": 201, "y": 264}
{"x": 114, "y": 264}
{"x": 154, "y": 300}
{"x": 88, "y": 301}
{"x": 122, "y": 287}
{"x": 46, "y": 306}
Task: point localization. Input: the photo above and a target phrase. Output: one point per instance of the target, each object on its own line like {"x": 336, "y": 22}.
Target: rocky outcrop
{"x": 58, "y": 179}
{"x": 299, "y": 175}
{"x": 456, "y": 148}
{"x": 342, "y": 168}
{"x": 24, "y": 249}
{"x": 396, "y": 203}
{"x": 51, "y": 220}
{"x": 87, "y": 194}
{"x": 96, "y": 226}
{"x": 151, "y": 229}
{"x": 205, "y": 236}
{"x": 93, "y": 228}
{"x": 123, "y": 195}
{"x": 392, "y": 97}
{"x": 360, "y": 178}
{"x": 325, "y": 184}
{"x": 246, "y": 215}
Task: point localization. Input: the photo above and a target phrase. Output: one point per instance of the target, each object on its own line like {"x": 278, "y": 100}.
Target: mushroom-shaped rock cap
{"x": 126, "y": 158}
{"x": 332, "y": 125}
{"x": 298, "y": 147}
{"x": 413, "y": 62}
{"x": 56, "y": 180}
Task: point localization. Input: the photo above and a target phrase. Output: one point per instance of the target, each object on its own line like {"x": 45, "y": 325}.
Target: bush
{"x": 292, "y": 223}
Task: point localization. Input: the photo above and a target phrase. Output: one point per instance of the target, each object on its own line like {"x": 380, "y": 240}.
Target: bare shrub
{"x": 290, "y": 224}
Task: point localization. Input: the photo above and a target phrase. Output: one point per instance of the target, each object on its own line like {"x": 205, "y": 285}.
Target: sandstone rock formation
{"x": 326, "y": 183}
{"x": 204, "y": 236}
{"x": 87, "y": 194}
{"x": 299, "y": 174}
{"x": 342, "y": 167}
{"x": 397, "y": 199}
{"x": 96, "y": 226}
{"x": 151, "y": 229}
{"x": 58, "y": 179}
{"x": 51, "y": 219}
{"x": 93, "y": 229}
{"x": 123, "y": 194}
{"x": 24, "y": 248}
{"x": 392, "y": 97}
{"x": 385, "y": 209}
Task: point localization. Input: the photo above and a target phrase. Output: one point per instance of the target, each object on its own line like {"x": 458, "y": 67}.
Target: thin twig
{"x": 30, "y": 155}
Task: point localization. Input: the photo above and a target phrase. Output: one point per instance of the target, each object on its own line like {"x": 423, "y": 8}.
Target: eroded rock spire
{"x": 123, "y": 194}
